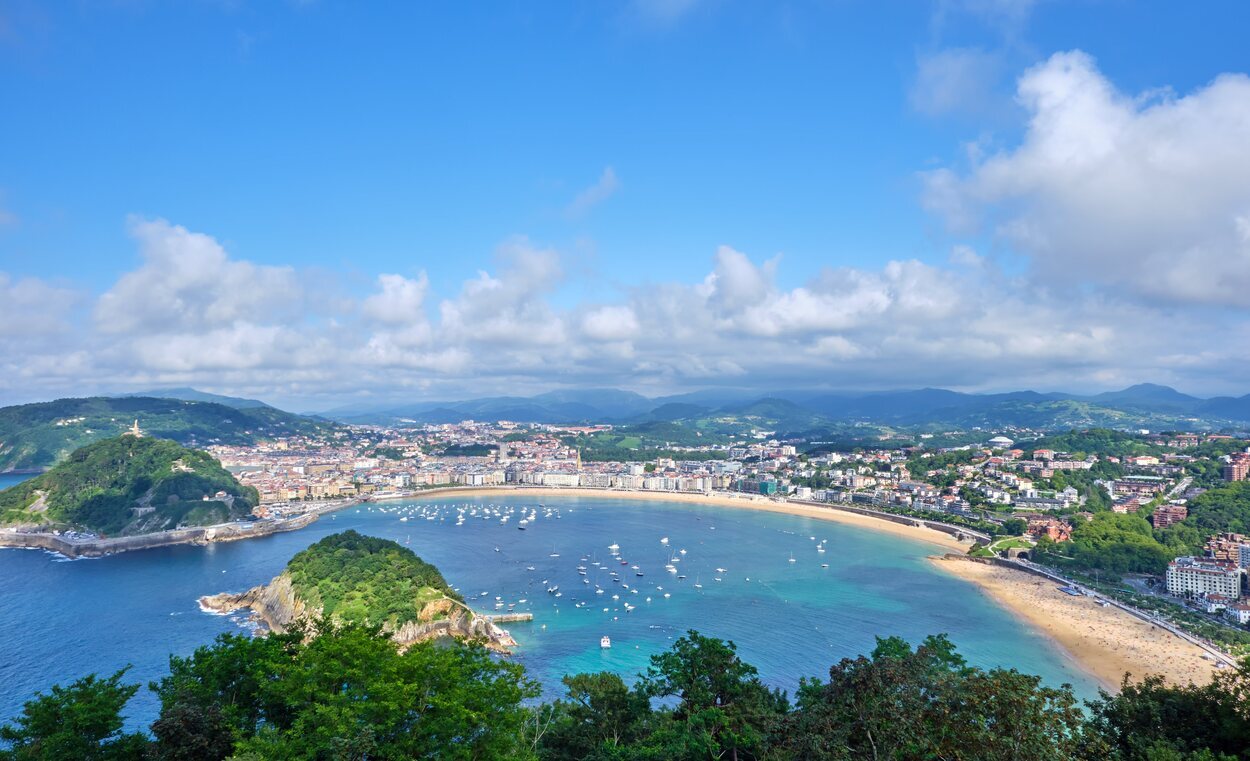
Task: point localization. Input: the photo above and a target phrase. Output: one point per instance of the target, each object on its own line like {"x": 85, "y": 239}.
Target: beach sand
{"x": 1106, "y": 642}
{"x": 745, "y": 502}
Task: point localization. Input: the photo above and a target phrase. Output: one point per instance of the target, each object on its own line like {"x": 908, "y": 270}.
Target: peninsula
{"x": 128, "y": 486}
{"x": 352, "y": 578}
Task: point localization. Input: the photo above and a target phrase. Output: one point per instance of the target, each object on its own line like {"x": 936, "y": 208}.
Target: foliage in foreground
{"x": 346, "y": 692}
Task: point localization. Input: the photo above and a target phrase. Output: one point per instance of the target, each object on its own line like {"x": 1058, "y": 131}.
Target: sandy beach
{"x": 1106, "y": 642}
{"x": 745, "y": 502}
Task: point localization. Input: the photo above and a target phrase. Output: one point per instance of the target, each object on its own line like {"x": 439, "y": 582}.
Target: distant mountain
{"x": 1148, "y": 396}
{"x": 194, "y": 395}
{"x": 1143, "y": 405}
{"x": 36, "y": 436}
{"x": 129, "y": 485}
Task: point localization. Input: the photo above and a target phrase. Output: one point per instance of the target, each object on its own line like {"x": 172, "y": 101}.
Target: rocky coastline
{"x": 277, "y": 607}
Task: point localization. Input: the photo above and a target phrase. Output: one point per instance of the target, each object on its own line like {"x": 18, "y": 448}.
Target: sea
{"x": 758, "y": 579}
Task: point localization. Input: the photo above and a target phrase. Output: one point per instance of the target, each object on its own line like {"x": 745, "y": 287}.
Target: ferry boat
{"x": 605, "y": 642}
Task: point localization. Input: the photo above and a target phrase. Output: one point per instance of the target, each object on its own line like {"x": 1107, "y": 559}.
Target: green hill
{"x": 128, "y": 485}
{"x": 356, "y": 578}
{"x": 37, "y": 436}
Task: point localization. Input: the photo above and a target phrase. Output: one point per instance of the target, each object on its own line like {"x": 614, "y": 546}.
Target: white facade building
{"x": 1190, "y": 577}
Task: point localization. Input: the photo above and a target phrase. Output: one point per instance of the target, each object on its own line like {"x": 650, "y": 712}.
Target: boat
{"x": 664, "y": 540}
{"x": 791, "y": 557}
{"x": 614, "y": 547}
{"x": 605, "y": 642}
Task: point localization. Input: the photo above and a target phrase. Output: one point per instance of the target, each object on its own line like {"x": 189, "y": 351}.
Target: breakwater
{"x": 72, "y": 547}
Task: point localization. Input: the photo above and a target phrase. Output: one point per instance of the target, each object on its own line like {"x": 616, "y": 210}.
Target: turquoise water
{"x": 13, "y": 479}
{"x": 61, "y": 619}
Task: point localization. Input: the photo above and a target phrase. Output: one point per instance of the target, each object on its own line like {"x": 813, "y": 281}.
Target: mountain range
{"x": 1140, "y": 405}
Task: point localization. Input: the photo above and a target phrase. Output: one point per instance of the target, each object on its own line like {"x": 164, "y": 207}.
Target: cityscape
{"x": 696, "y": 380}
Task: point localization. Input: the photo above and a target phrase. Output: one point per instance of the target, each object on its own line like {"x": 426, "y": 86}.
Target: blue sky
{"x": 659, "y": 195}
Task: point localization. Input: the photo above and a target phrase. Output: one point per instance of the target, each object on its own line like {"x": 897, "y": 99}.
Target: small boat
{"x": 664, "y": 540}
{"x": 614, "y": 547}
{"x": 605, "y": 642}
{"x": 791, "y": 557}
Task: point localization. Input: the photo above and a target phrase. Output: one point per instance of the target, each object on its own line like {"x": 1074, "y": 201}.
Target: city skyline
{"x": 656, "y": 196}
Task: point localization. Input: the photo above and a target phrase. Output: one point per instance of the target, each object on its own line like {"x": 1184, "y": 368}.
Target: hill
{"x": 129, "y": 485}
{"x": 349, "y": 578}
{"x": 37, "y": 436}
{"x": 195, "y": 395}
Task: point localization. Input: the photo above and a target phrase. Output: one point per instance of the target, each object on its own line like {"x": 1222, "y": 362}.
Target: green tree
{"x": 599, "y": 720}
{"x": 901, "y": 704}
{"x": 723, "y": 709}
{"x": 81, "y": 722}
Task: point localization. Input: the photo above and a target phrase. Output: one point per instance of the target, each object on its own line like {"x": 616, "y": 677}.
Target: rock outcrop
{"x": 277, "y": 607}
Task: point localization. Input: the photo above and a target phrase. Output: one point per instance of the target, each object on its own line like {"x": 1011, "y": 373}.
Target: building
{"x": 1237, "y": 467}
{"x": 1192, "y": 577}
{"x": 1229, "y": 548}
{"x": 1166, "y": 515}
{"x": 1238, "y": 612}
{"x": 1057, "y": 530}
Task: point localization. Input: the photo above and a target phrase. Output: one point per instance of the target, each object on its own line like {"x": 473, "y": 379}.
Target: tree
{"x": 1150, "y": 721}
{"x": 901, "y": 704}
{"x": 724, "y": 710}
{"x": 1015, "y": 526}
{"x": 599, "y": 719}
{"x": 348, "y": 692}
{"x": 82, "y": 722}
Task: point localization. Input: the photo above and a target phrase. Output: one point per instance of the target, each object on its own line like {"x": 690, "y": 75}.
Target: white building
{"x": 1190, "y": 577}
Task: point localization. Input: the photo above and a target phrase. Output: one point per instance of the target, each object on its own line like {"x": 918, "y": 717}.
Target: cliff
{"x": 352, "y": 578}
{"x": 277, "y": 606}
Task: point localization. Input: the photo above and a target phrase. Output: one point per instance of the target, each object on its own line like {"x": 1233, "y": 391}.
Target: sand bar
{"x": 745, "y": 502}
{"x": 1104, "y": 641}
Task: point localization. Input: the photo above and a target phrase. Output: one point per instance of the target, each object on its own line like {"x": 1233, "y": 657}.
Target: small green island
{"x": 350, "y": 578}
{"x": 127, "y": 486}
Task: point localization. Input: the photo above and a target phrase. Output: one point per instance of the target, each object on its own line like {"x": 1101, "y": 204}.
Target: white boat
{"x": 605, "y": 642}
{"x": 614, "y": 547}
{"x": 664, "y": 540}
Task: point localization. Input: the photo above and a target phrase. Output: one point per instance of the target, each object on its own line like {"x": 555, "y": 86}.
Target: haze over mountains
{"x": 1135, "y": 405}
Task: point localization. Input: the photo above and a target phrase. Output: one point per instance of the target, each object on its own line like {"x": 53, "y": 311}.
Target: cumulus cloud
{"x": 1143, "y": 193}
{"x": 512, "y": 330}
{"x": 398, "y": 301}
{"x": 602, "y": 190}
{"x": 188, "y": 282}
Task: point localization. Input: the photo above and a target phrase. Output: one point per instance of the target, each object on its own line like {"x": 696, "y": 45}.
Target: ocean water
{"x": 61, "y": 619}
{"x": 13, "y": 479}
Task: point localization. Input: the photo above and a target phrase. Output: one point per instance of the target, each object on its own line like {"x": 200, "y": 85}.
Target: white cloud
{"x": 611, "y": 323}
{"x": 1144, "y": 194}
{"x": 602, "y": 190}
{"x": 187, "y": 282}
{"x": 398, "y": 301}
{"x": 513, "y": 329}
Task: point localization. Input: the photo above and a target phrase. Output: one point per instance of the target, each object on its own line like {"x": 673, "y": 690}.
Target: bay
{"x": 60, "y": 620}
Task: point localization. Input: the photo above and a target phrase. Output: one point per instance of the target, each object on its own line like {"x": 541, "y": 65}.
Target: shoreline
{"x": 1105, "y": 642}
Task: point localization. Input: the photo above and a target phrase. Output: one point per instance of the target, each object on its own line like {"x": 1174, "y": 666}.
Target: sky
{"x": 324, "y": 202}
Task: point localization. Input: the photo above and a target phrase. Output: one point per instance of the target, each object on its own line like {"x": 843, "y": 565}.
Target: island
{"x": 352, "y": 578}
